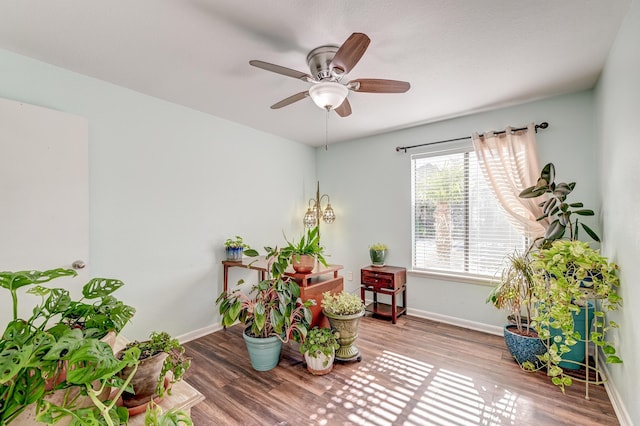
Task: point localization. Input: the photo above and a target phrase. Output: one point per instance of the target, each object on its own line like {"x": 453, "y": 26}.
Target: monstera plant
{"x": 51, "y": 352}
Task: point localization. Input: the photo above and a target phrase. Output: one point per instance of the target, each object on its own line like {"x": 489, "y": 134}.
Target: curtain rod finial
{"x": 542, "y": 125}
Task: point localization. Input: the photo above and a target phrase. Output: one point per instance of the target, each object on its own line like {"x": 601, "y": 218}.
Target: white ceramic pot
{"x": 319, "y": 364}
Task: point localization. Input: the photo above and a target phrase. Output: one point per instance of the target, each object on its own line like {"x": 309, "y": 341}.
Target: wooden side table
{"x": 390, "y": 280}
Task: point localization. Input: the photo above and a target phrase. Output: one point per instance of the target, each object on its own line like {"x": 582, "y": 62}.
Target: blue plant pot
{"x": 523, "y": 348}
{"x": 234, "y": 254}
{"x": 264, "y": 353}
{"x": 575, "y": 358}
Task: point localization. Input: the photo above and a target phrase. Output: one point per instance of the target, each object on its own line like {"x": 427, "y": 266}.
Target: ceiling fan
{"x": 328, "y": 65}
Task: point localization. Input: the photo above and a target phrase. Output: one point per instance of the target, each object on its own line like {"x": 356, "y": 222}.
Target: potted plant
{"x": 34, "y": 351}
{"x": 556, "y": 209}
{"x": 574, "y": 285}
{"x": 377, "y": 253}
{"x": 344, "y": 311}
{"x": 234, "y": 248}
{"x": 319, "y": 349}
{"x": 305, "y": 252}
{"x": 162, "y": 363}
{"x": 99, "y": 313}
{"x": 271, "y": 312}
{"x": 514, "y": 293}
{"x": 561, "y": 268}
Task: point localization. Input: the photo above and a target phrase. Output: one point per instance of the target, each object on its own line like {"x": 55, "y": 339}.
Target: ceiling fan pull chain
{"x": 326, "y": 130}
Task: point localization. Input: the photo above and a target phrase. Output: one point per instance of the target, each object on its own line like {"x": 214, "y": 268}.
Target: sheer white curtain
{"x": 509, "y": 162}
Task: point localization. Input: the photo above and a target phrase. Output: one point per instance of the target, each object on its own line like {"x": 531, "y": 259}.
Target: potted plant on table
{"x": 305, "y": 252}
{"x": 377, "y": 253}
{"x": 272, "y": 312}
{"x": 162, "y": 363}
{"x": 318, "y": 349}
{"x": 344, "y": 311}
{"x": 234, "y": 248}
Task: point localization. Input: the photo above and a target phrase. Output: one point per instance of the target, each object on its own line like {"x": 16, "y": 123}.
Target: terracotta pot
{"x": 144, "y": 382}
{"x": 303, "y": 263}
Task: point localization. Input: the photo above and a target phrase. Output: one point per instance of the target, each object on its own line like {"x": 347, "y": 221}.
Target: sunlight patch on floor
{"x": 422, "y": 394}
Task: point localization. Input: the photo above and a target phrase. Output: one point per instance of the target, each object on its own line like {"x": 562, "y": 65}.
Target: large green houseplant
{"x": 572, "y": 282}
{"x": 271, "y": 311}
{"x": 562, "y": 216}
{"x": 46, "y": 353}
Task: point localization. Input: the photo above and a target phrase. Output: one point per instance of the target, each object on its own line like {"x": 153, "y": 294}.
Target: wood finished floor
{"x": 416, "y": 372}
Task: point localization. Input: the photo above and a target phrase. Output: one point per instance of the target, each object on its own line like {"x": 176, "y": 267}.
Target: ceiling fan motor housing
{"x": 319, "y": 60}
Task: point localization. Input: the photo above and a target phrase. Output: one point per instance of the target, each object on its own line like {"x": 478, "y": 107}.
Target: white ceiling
{"x": 459, "y": 56}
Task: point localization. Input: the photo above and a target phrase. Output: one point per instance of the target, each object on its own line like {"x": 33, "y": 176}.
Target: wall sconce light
{"x": 315, "y": 211}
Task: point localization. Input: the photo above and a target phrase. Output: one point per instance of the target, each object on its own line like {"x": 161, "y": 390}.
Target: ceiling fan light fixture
{"x": 328, "y": 94}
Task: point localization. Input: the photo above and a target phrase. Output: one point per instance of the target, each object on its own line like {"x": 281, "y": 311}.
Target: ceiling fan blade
{"x": 350, "y": 52}
{"x": 344, "y": 110}
{"x": 376, "y": 85}
{"x": 291, "y": 99}
{"x": 281, "y": 70}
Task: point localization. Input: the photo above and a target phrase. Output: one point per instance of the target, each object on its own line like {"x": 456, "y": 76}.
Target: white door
{"x": 44, "y": 202}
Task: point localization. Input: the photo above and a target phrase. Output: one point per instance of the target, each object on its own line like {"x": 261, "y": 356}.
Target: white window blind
{"x": 458, "y": 226}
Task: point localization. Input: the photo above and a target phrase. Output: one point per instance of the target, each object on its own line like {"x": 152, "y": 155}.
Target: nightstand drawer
{"x": 377, "y": 279}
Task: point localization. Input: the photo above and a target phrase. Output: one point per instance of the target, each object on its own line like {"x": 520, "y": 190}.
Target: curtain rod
{"x": 542, "y": 125}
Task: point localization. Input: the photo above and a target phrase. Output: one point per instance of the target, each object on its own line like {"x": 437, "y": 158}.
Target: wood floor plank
{"x": 416, "y": 372}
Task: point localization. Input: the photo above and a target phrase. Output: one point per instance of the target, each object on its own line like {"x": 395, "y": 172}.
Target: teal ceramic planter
{"x": 576, "y": 357}
{"x": 264, "y": 353}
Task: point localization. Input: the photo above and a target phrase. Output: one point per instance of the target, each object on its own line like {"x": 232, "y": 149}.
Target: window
{"x": 458, "y": 226}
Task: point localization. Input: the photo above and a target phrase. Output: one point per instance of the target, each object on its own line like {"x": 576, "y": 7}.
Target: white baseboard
{"x": 201, "y": 332}
{"x": 472, "y": 325}
{"x": 614, "y": 395}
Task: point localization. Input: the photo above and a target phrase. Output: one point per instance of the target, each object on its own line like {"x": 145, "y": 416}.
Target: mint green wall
{"x": 618, "y": 110}
{"x": 369, "y": 184}
{"x": 167, "y": 186}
